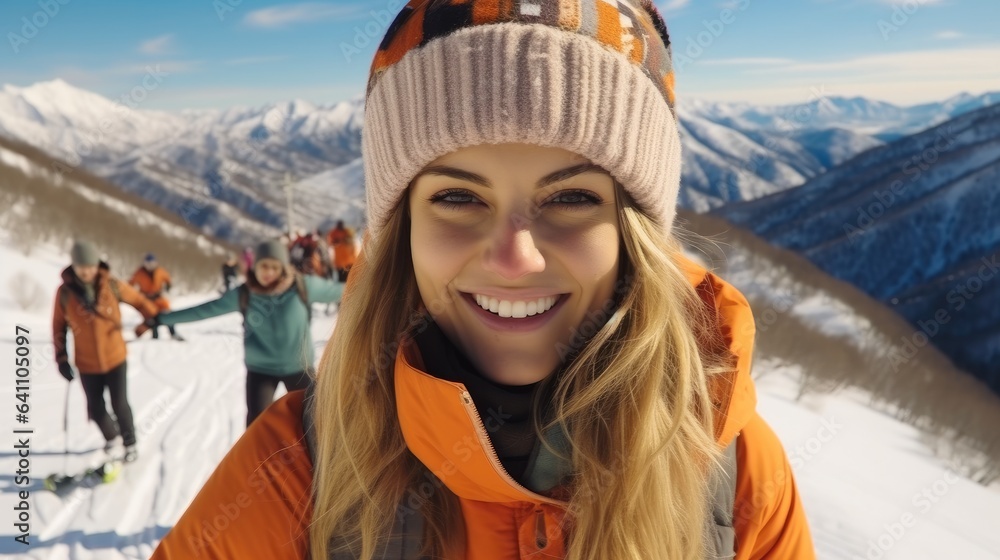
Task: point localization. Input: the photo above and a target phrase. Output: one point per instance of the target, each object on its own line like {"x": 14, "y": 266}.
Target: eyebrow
{"x": 554, "y": 177}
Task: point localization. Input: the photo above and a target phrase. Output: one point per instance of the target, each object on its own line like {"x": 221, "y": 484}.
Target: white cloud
{"x": 284, "y": 15}
{"x": 949, "y": 34}
{"x": 157, "y": 45}
{"x": 141, "y": 68}
{"x": 749, "y": 61}
{"x": 903, "y": 78}
{"x": 971, "y": 62}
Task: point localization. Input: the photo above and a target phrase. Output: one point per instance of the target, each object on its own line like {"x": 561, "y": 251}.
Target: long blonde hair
{"x": 633, "y": 400}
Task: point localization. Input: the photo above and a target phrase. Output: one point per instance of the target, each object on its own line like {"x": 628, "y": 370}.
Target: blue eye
{"x": 454, "y": 199}
{"x": 575, "y": 200}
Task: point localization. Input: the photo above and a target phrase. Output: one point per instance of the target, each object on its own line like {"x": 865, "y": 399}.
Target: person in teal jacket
{"x": 276, "y": 306}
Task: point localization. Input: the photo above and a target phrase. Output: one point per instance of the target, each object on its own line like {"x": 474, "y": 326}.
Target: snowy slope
{"x": 859, "y": 471}
{"x": 189, "y": 408}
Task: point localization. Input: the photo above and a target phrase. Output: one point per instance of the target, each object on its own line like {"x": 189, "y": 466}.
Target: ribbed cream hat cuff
{"x": 520, "y": 83}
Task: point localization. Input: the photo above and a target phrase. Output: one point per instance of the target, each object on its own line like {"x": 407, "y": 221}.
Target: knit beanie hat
{"x": 84, "y": 253}
{"x": 590, "y": 76}
{"x": 273, "y": 250}
{"x": 150, "y": 257}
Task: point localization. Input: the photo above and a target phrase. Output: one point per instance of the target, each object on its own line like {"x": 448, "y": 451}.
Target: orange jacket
{"x": 342, "y": 242}
{"x": 153, "y": 285}
{"x": 257, "y": 502}
{"x": 97, "y": 338}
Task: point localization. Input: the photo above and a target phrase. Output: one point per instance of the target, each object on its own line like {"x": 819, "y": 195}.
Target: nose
{"x": 512, "y": 252}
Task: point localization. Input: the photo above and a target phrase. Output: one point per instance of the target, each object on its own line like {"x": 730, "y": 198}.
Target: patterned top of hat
{"x": 633, "y": 28}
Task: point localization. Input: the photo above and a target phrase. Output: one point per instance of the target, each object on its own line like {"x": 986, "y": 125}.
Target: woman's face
{"x": 267, "y": 271}
{"x": 86, "y": 273}
{"x": 515, "y": 252}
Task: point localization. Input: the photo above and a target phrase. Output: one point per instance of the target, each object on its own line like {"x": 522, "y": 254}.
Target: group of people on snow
{"x": 275, "y": 300}
{"x": 323, "y": 254}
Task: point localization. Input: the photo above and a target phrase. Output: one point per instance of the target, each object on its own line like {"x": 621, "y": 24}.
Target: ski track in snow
{"x": 188, "y": 404}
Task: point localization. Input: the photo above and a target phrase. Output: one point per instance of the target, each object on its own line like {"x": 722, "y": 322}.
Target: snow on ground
{"x": 871, "y": 489}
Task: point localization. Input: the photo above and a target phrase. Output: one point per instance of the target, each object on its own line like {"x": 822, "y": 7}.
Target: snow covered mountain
{"x": 220, "y": 170}
{"x": 216, "y": 169}
{"x": 916, "y": 224}
{"x": 735, "y": 151}
{"x": 884, "y": 120}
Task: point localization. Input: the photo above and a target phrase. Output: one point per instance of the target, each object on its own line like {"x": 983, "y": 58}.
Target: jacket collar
{"x": 443, "y": 430}
{"x": 73, "y": 282}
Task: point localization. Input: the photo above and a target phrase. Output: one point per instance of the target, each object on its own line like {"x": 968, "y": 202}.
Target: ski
{"x": 101, "y": 474}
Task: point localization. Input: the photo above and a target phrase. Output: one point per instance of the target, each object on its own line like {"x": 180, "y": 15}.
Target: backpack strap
{"x": 406, "y": 537}
{"x": 300, "y": 287}
{"x": 308, "y": 413}
{"x": 115, "y": 289}
{"x": 722, "y": 489}
{"x": 63, "y": 297}
{"x": 244, "y": 297}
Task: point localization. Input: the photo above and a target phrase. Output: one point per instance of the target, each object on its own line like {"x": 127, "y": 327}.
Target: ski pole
{"x": 66, "y": 427}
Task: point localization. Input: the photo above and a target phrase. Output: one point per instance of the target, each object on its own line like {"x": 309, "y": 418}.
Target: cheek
{"x": 439, "y": 252}
{"x": 591, "y": 255}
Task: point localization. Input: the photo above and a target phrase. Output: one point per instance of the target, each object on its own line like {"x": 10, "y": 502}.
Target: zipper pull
{"x": 541, "y": 539}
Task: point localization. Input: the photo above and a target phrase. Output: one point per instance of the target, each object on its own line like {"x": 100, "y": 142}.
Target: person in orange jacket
{"x": 341, "y": 242}
{"x": 87, "y": 304}
{"x": 524, "y": 364}
{"x": 154, "y": 282}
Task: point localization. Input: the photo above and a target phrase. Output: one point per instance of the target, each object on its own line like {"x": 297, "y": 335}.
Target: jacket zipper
{"x": 541, "y": 537}
{"x": 484, "y": 438}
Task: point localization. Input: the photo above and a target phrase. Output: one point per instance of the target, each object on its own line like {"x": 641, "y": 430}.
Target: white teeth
{"x": 515, "y": 309}
{"x": 519, "y": 310}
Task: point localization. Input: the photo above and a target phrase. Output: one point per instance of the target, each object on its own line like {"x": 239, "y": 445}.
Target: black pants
{"x": 115, "y": 381}
{"x": 342, "y": 274}
{"x": 156, "y": 331}
{"x": 261, "y": 388}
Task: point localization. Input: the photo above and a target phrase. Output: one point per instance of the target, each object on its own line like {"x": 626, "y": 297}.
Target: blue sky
{"x": 221, "y": 53}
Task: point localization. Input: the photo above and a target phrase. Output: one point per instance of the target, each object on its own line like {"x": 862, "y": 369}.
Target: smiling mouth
{"x": 515, "y": 309}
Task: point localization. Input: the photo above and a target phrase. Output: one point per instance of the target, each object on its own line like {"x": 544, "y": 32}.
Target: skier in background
{"x": 154, "y": 282}
{"x": 322, "y": 262}
{"x": 87, "y": 304}
{"x": 230, "y": 270}
{"x": 276, "y": 303}
{"x": 247, "y": 263}
{"x": 341, "y": 240}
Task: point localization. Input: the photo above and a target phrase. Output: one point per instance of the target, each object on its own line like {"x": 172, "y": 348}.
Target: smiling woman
{"x": 512, "y": 241}
{"x": 525, "y": 365}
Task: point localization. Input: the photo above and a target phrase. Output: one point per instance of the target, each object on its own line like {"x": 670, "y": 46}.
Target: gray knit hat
{"x": 594, "y": 77}
{"x": 84, "y": 253}
{"x": 273, "y": 250}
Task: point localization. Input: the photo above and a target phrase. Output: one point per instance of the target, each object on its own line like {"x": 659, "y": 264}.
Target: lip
{"x": 505, "y": 324}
